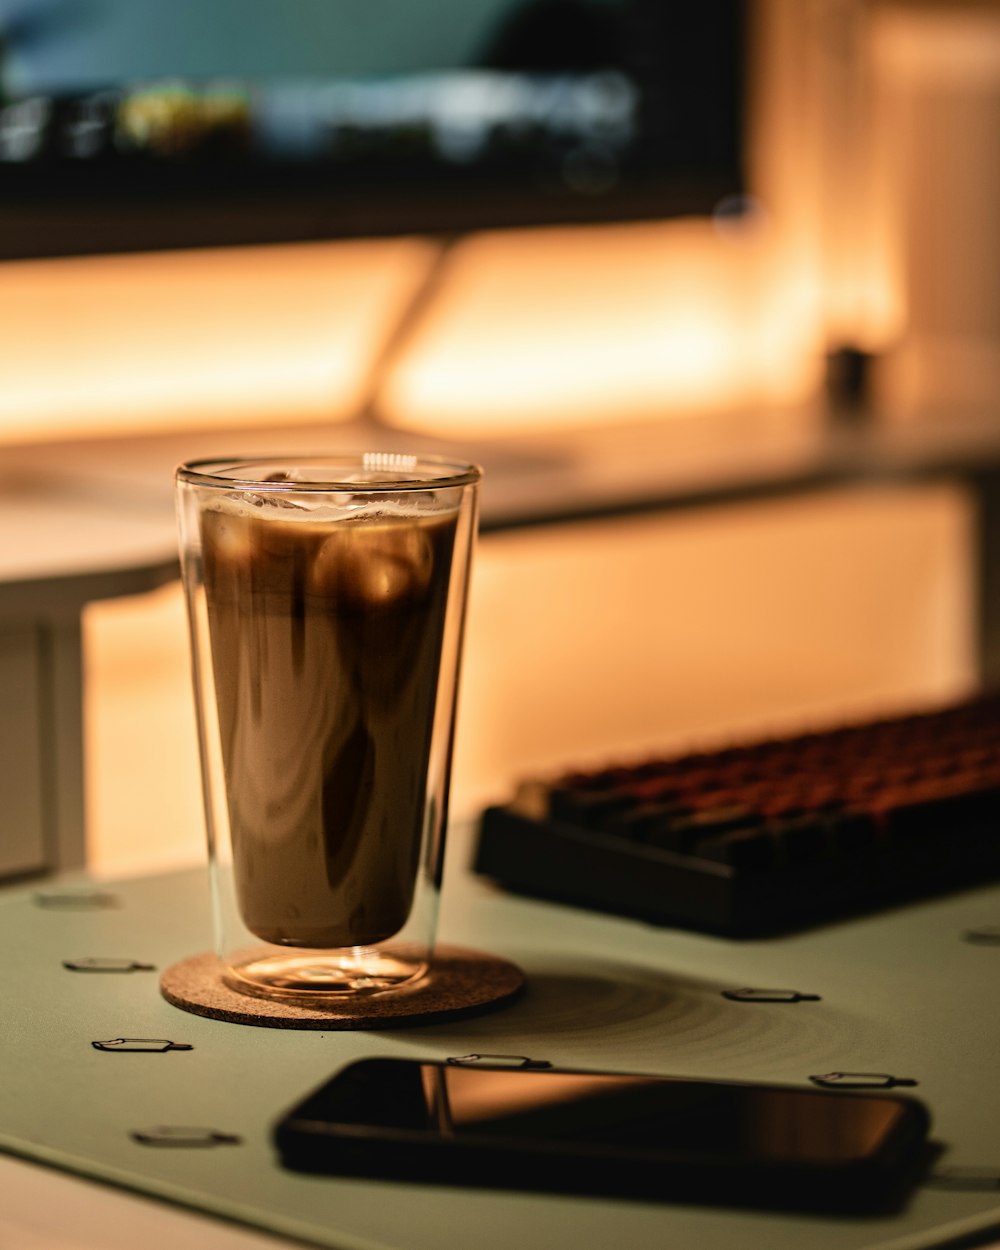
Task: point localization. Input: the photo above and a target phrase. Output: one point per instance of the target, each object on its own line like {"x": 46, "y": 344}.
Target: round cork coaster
{"x": 459, "y": 983}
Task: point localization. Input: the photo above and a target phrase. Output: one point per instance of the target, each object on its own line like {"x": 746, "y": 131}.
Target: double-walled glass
{"x": 326, "y": 599}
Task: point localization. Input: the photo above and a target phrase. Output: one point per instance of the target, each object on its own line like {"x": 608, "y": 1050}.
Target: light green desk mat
{"x": 901, "y": 992}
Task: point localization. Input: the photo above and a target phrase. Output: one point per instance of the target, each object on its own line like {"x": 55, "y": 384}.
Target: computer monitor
{"x": 137, "y": 125}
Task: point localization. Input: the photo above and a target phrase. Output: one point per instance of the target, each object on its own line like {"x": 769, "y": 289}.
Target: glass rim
{"x": 396, "y": 472}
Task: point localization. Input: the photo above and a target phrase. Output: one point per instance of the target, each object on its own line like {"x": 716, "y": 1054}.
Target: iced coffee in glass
{"x": 326, "y": 598}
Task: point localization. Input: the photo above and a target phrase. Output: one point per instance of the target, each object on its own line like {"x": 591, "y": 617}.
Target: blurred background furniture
{"x": 753, "y": 268}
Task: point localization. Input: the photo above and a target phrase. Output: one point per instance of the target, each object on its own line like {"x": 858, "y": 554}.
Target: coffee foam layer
{"x": 369, "y": 507}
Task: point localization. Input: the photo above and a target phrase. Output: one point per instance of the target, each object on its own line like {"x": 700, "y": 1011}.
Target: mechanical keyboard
{"x": 766, "y": 836}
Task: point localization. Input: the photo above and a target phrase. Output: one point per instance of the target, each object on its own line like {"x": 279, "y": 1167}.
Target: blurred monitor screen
{"x": 141, "y": 124}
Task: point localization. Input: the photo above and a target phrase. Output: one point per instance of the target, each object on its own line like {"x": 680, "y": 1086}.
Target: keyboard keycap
{"x": 768, "y": 834}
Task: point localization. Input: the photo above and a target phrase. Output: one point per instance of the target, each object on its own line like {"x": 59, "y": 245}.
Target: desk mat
{"x": 906, "y": 993}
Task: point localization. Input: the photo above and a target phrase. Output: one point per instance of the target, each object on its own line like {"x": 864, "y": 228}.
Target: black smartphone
{"x": 722, "y": 1142}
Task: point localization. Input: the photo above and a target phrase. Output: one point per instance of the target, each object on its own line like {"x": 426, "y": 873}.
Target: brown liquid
{"x": 326, "y": 642}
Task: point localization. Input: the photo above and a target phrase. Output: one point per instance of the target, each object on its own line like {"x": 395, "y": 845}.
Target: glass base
{"x": 317, "y": 974}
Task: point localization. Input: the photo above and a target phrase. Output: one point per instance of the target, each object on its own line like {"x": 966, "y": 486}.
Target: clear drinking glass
{"x": 326, "y": 599}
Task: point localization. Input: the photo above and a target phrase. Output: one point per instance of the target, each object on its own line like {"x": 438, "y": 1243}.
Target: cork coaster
{"x": 460, "y": 983}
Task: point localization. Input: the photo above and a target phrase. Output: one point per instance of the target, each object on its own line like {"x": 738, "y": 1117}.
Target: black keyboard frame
{"x": 914, "y": 850}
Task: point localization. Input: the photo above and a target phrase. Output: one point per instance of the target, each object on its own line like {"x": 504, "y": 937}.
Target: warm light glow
{"x": 613, "y": 639}
{"x": 575, "y": 327}
{"x": 594, "y": 643}
{"x": 950, "y": 44}
{"x": 938, "y": 74}
{"x": 548, "y": 329}
{"x": 824, "y": 163}
{"x": 532, "y": 329}
{"x": 131, "y": 343}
